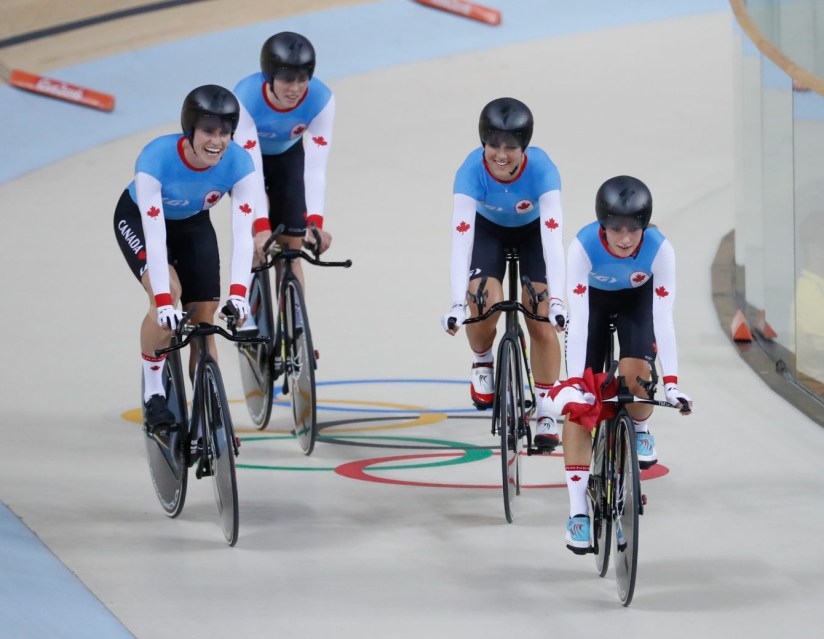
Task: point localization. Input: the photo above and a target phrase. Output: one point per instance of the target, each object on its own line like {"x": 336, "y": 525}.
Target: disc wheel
{"x": 220, "y": 450}
{"x": 255, "y": 359}
{"x": 165, "y": 450}
{"x": 300, "y": 367}
{"x": 627, "y": 500}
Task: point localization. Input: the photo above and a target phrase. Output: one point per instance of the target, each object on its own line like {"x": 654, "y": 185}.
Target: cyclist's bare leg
{"x": 633, "y": 368}
{"x": 481, "y": 335}
{"x": 545, "y": 351}
{"x": 205, "y": 312}
{"x": 152, "y": 336}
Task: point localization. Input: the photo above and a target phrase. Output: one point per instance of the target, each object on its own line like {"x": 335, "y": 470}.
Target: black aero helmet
{"x": 287, "y": 51}
{"x": 623, "y": 197}
{"x": 206, "y": 103}
{"x": 509, "y": 117}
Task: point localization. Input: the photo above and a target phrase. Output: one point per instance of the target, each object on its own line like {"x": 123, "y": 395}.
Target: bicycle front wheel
{"x": 220, "y": 449}
{"x": 597, "y": 492}
{"x": 256, "y": 359}
{"x": 506, "y": 416}
{"x": 300, "y": 367}
{"x": 627, "y": 507}
{"x": 166, "y": 451}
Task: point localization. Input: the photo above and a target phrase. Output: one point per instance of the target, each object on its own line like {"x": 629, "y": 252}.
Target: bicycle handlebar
{"x": 275, "y": 252}
{"x": 506, "y": 305}
{"x": 190, "y": 331}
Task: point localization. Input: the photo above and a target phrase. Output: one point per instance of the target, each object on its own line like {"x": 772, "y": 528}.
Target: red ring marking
{"x": 357, "y": 470}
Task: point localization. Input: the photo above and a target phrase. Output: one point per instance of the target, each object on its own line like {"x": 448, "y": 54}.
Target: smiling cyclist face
{"x": 209, "y": 143}
{"x": 503, "y": 157}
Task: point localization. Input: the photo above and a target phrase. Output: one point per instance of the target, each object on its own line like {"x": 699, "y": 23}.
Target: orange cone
{"x": 764, "y": 328}
{"x": 739, "y": 329}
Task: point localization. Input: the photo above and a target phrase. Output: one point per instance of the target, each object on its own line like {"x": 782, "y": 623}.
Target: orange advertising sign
{"x": 466, "y": 9}
{"x": 61, "y": 90}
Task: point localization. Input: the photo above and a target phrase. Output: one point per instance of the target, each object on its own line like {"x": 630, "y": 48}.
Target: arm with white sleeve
{"x": 317, "y": 142}
{"x": 243, "y": 216}
{"x": 579, "y": 267}
{"x": 150, "y": 204}
{"x": 463, "y": 239}
{"x": 246, "y": 136}
{"x": 552, "y": 241}
{"x": 663, "y": 302}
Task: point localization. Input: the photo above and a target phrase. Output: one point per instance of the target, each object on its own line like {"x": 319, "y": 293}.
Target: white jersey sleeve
{"x": 578, "y": 269}
{"x": 463, "y": 239}
{"x": 663, "y": 302}
{"x": 552, "y": 241}
{"x": 246, "y": 135}
{"x": 150, "y": 203}
{"x": 317, "y": 142}
{"x": 243, "y": 216}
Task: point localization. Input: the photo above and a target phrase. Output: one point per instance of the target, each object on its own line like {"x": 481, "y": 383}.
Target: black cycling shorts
{"x": 633, "y": 310}
{"x": 492, "y": 239}
{"x": 191, "y": 245}
{"x": 283, "y": 177}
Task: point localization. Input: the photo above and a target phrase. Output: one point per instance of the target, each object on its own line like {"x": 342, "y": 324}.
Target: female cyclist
{"x": 163, "y": 229}
{"x": 506, "y": 196}
{"x": 617, "y": 265}
{"x": 286, "y": 125}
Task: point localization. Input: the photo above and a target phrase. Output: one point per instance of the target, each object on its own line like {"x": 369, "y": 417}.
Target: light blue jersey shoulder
{"x": 611, "y": 273}
{"x": 508, "y": 203}
{"x": 187, "y": 191}
{"x": 278, "y": 130}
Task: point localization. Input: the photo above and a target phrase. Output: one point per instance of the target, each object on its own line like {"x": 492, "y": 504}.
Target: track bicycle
{"x": 287, "y": 348}
{"x": 614, "y": 490}
{"x": 204, "y": 439}
{"x": 512, "y": 409}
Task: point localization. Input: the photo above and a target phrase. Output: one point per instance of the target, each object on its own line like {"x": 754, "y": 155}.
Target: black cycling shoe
{"x": 157, "y": 416}
{"x": 546, "y": 444}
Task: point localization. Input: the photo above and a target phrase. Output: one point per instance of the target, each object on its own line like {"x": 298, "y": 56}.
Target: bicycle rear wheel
{"x": 166, "y": 452}
{"x": 300, "y": 367}
{"x": 220, "y": 449}
{"x": 599, "y": 510}
{"x": 627, "y": 500}
{"x": 506, "y": 416}
{"x": 256, "y": 359}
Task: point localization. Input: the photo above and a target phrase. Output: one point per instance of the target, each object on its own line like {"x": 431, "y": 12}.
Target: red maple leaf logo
{"x": 299, "y": 130}
{"x": 551, "y": 224}
{"x": 214, "y": 197}
{"x": 245, "y": 208}
{"x": 153, "y": 212}
{"x": 463, "y": 227}
{"x": 141, "y": 255}
{"x": 639, "y": 278}
{"x": 523, "y": 206}
{"x": 250, "y": 144}
{"x": 155, "y": 367}
{"x": 661, "y": 291}
{"x": 576, "y": 478}
{"x": 580, "y": 289}
{"x": 318, "y": 139}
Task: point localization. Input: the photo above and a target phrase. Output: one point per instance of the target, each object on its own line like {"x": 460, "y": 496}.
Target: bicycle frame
{"x": 511, "y": 410}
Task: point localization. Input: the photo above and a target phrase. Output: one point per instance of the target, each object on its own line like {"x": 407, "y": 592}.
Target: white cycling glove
{"x": 677, "y": 398}
{"x": 168, "y": 317}
{"x": 240, "y": 308}
{"x": 457, "y": 313}
{"x": 557, "y": 312}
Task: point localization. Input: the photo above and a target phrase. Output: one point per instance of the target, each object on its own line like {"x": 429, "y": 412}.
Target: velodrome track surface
{"x": 728, "y": 543}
